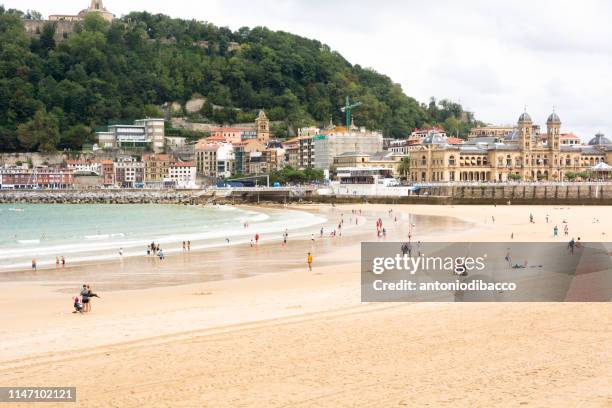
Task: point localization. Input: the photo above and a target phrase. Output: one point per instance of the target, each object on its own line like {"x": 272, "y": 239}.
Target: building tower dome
{"x": 553, "y": 118}
{"x": 599, "y": 140}
{"x": 525, "y": 118}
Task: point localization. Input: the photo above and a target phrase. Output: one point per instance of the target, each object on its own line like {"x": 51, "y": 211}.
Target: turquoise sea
{"x": 94, "y": 232}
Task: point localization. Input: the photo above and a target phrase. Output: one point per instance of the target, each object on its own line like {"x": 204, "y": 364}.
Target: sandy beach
{"x": 241, "y": 326}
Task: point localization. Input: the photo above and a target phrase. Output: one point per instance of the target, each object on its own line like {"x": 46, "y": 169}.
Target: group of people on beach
{"x": 58, "y": 261}
{"x": 155, "y": 250}
{"x": 82, "y": 302}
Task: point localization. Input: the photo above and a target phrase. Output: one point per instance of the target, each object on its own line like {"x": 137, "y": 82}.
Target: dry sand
{"x": 286, "y": 337}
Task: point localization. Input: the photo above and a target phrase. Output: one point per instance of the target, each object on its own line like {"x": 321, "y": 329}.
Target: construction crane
{"x": 347, "y": 109}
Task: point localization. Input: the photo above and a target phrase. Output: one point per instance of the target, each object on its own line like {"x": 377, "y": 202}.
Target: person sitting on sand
{"x": 78, "y": 306}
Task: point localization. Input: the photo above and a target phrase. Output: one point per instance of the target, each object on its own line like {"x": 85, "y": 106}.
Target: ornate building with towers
{"x": 523, "y": 154}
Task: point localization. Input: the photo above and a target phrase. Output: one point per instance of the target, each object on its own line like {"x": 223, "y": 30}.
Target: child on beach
{"x": 78, "y": 306}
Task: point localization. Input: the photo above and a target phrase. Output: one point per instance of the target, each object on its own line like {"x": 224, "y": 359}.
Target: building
{"x": 243, "y": 153}
{"x": 183, "y": 174}
{"x": 52, "y": 178}
{"x": 143, "y": 134}
{"x": 380, "y": 160}
{"x": 362, "y": 175}
{"x": 292, "y": 152}
{"x": 423, "y": 133}
{"x": 523, "y": 155}
{"x": 570, "y": 139}
{"x": 214, "y": 159}
{"x": 129, "y": 172}
{"x": 308, "y": 131}
{"x": 95, "y": 6}
{"x": 108, "y": 172}
{"x": 333, "y": 142}
{"x": 155, "y": 131}
{"x": 157, "y": 168}
{"x": 228, "y": 134}
{"x": 306, "y": 154}
{"x": 65, "y": 24}
{"x": 262, "y": 125}
{"x": 84, "y": 166}
{"x": 491, "y": 131}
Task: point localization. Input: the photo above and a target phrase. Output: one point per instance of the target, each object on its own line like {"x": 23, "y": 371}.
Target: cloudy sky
{"x": 494, "y": 57}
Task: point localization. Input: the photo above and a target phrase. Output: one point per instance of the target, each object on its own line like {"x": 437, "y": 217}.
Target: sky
{"x": 494, "y": 57}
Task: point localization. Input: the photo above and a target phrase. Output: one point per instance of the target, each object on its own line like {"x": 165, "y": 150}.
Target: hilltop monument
{"x": 96, "y": 6}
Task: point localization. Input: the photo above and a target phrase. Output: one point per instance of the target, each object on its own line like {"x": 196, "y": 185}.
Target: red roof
{"x": 454, "y": 140}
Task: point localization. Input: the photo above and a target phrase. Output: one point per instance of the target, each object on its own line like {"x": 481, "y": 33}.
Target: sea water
{"x": 90, "y": 232}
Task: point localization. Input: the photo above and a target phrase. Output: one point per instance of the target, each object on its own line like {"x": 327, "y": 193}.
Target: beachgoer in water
{"x": 309, "y": 260}
{"x": 184, "y": 246}
{"x": 56, "y": 262}
{"x": 188, "y": 245}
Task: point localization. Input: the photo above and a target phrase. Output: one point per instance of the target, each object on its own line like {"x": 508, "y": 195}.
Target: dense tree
{"x": 125, "y": 69}
{"x": 39, "y": 133}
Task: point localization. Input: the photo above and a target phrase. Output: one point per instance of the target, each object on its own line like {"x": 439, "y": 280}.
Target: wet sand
{"x": 285, "y": 337}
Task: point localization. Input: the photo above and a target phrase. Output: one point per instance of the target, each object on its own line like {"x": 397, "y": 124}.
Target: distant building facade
{"x": 143, "y": 134}
{"x": 339, "y": 140}
{"x": 523, "y": 154}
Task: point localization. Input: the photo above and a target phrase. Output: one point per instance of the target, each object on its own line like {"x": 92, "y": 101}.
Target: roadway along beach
{"x": 282, "y": 336}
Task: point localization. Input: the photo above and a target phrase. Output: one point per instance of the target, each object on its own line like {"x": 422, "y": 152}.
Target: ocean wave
{"x": 101, "y": 236}
{"x": 28, "y": 241}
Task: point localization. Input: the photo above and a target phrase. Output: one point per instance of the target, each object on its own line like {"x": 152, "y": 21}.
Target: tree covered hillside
{"x": 53, "y": 94}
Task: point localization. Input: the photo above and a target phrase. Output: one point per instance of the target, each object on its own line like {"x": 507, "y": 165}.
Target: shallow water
{"x": 85, "y": 233}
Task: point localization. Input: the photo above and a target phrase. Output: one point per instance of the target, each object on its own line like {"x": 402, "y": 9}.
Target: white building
{"x": 183, "y": 174}
{"x": 83, "y": 166}
{"x": 155, "y": 131}
{"x": 336, "y": 141}
{"x": 143, "y": 133}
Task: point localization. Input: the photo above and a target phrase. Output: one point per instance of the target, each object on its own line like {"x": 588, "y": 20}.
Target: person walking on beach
{"x": 34, "y": 264}
{"x": 531, "y": 219}
{"x": 309, "y": 260}
{"x": 57, "y": 261}
{"x": 256, "y": 239}
{"x": 184, "y": 246}
{"x": 188, "y": 246}
{"x": 571, "y": 246}
{"x": 556, "y": 231}
{"x": 63, "y": 261}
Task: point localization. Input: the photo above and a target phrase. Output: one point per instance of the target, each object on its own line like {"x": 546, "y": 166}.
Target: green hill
{"x": 52, "y": 94}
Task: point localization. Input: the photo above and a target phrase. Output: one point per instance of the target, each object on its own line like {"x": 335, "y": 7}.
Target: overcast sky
{"x": 494, "y": 57}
